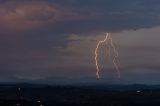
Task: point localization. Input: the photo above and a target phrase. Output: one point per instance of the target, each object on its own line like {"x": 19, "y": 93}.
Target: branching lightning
{"x": 109, "y": 42}
{"x": 96, "y": 54}
{"x": 115, "y": 57}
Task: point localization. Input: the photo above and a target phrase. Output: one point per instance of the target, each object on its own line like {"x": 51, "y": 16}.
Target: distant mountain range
{"x": 116, "y": 87}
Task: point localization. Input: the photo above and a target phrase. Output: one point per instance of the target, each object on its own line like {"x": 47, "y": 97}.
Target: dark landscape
{"x": 79, "y": 95}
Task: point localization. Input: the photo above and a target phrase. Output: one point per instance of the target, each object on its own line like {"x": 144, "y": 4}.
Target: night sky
{"x": 53, "y": 41}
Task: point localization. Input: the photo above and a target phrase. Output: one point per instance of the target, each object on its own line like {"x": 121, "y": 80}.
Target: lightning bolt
{"x": 115, "y": 56}
{"x": 96, "y": 54}
{"x": 109, "y": 41}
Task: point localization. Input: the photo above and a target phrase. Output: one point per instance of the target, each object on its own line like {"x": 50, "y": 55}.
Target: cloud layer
{"x": 75, "y": 16}
{"x": 41, "y": 38}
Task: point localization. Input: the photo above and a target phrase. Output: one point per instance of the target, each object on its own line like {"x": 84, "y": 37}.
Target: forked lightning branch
{"x": 109, "y": 42}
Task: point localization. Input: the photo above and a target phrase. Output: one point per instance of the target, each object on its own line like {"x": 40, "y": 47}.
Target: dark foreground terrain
{"x": 99, "y": 95}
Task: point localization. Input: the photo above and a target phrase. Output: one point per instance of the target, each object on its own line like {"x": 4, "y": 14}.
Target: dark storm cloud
{"x": 79, "y": 16}
{"x": 113, "y": 15}
{"x": 107, "y": 15}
